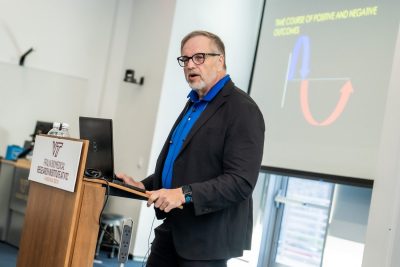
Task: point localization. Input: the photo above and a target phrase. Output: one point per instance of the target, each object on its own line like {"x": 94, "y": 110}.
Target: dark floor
{"x": 8, "y": 258}
{"x": 8, "y": 255}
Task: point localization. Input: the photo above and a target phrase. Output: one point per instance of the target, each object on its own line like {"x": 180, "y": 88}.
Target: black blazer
{"x": 220, "y": 159}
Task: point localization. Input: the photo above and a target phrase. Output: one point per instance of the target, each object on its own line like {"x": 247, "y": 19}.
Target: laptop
{"x": 41, "y": 127}
{"x": 100, "y": 158}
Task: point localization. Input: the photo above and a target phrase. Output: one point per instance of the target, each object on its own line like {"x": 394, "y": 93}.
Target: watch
{"x": 187, "y": 192}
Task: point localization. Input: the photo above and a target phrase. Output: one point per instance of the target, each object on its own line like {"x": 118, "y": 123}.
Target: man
{"x": 209, "y": 165}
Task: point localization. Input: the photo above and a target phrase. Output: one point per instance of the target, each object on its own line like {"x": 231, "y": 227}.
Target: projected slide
{"x": 321, "y": 79}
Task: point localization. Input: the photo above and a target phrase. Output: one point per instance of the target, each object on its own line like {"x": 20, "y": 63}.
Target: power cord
{"x": 102, "y": 210}
{"x": 106, "y": 200}
{"x": 148, "y": 243}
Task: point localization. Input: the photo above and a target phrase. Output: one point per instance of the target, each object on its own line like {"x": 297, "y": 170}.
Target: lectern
{"x": 61, "y": 227}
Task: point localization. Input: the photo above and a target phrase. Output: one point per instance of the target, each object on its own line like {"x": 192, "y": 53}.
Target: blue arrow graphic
{"x": 302, "y": 42}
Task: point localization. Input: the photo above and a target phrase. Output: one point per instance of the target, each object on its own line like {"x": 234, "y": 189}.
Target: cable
{"x": 106, "y": 200}
{"x": 148, "y": 242}
{"x": 93, "y": 173}
{"x": 101, "y": 213}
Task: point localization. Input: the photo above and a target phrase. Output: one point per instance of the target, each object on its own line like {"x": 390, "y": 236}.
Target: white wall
{"x": 63, "y": 77}
{"x": 383, "y": 232}
{"x": 134, "y": 107}
{"x": 67, "y": 35}
{"x": 27, "y": 95}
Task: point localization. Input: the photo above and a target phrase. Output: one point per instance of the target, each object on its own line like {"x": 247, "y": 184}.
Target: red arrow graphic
{"x": 345, "y": 92}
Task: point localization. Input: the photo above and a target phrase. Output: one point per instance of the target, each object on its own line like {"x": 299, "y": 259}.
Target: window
{"x": 300, "y": 222}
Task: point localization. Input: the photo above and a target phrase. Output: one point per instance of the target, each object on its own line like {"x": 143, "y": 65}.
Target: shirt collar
{"x": 194, "y": 97}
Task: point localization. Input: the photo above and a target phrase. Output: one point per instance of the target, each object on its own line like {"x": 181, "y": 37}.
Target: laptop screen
{"x": 100, "y": 153}
{"x": 42, "y": 127}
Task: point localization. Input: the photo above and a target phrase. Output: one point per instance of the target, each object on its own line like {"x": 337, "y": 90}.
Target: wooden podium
{"x": 61, "y": 227}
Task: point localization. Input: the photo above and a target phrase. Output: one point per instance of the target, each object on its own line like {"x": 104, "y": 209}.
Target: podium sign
{"x": 55, "y": 162}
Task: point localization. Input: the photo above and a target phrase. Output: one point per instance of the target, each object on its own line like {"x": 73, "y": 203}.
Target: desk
{"x": 14, "y": 192}
{"x": 6, "y": 177}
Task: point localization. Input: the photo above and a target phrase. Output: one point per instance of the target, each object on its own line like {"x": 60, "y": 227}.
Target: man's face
{"x": 204, "y": 76}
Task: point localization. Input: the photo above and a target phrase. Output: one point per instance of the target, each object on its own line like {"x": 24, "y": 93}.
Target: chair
{"x": 109, "y": 221}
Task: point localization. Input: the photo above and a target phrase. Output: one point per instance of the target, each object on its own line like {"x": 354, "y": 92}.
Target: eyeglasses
{"x": 197, "y": 59}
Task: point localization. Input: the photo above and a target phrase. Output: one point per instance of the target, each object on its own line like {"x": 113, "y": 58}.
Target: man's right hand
{"x": 129, "y": 180}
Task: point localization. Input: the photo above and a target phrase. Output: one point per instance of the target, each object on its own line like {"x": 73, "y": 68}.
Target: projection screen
{"x": 321, "y": 77}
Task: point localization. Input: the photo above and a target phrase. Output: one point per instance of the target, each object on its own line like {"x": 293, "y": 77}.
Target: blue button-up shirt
{"x": 185, "y": 125}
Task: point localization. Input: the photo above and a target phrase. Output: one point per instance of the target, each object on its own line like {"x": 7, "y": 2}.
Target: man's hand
{"x": 166, "y": 199}
{"x": 129, "y": 180}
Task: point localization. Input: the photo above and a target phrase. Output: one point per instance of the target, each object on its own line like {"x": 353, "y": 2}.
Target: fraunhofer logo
{"x": 56, "y": 147}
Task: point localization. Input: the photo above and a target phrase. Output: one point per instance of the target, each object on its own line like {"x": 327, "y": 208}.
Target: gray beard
{"x": 198, "y": 87}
